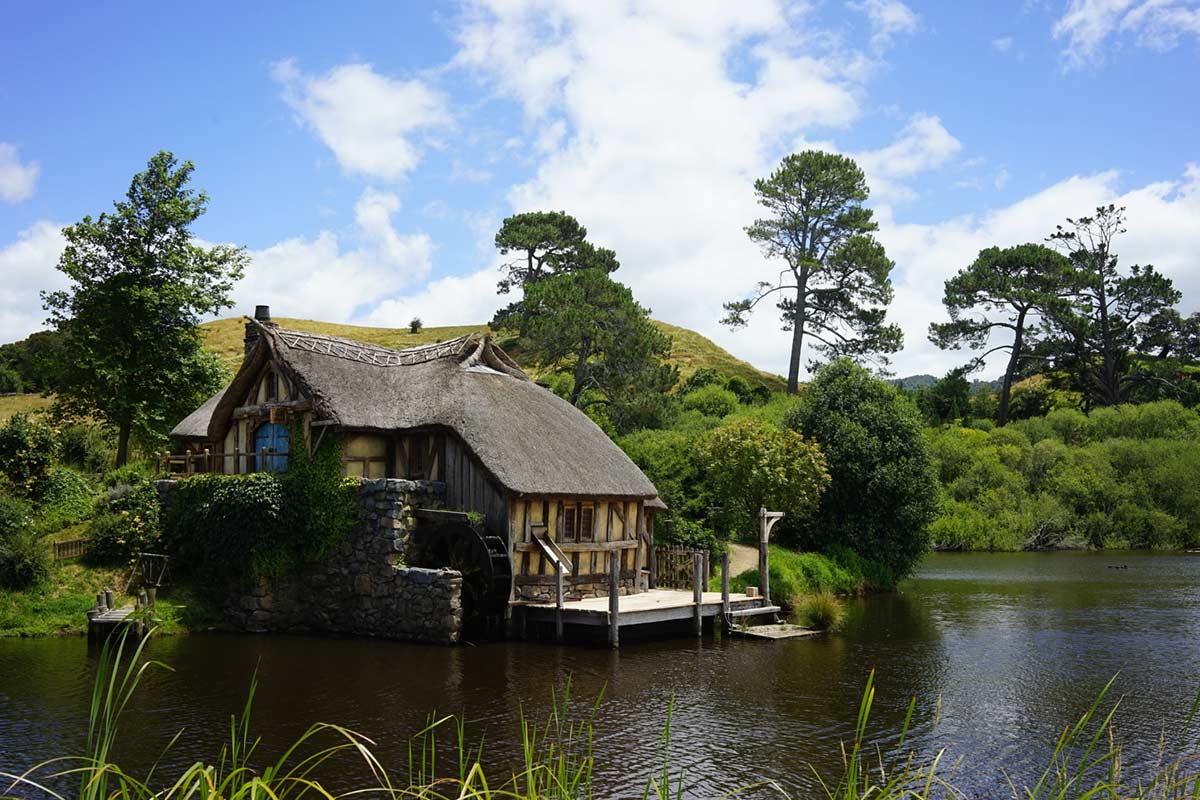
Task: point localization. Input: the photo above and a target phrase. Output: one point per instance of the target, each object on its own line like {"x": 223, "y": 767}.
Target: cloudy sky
{"x": 366, "y": 153}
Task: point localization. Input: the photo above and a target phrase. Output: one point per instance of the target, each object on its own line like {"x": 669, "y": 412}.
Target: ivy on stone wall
{"x": 223, "y": 528}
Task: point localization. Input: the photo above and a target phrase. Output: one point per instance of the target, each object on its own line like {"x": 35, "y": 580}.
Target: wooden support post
{"x": 697, "y": 591}
{"x": 764, "y": 567}
{"x": 558, "y": 602}
{"x": 652, "y": 560}
{"x": 707, "y": 569}
{"x": 725, "y": 586}
{"x": 207, "y": 460}
{"x": 614, "y": 598}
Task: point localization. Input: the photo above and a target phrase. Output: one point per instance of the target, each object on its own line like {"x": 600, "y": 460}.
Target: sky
{"x": 366, "y": 153}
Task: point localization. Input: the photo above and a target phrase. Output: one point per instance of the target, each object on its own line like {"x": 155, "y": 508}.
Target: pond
{"x": 999, "y": 650}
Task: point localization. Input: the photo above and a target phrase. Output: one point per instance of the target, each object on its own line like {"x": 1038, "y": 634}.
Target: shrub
{"x": 705, "y": 376}
{"x": 668, "y": 459}
{"x": 86, "y": 447}
{"x": 749, "y": 465}
{"x": 883, "y": 493}
{"x": 67, "y": 498}
{"x": 26, "y": 453}
{"x": 683, "y": 532}
{"x": 415, "y": 325}
{"x": 127, "y": 524}
{"x": 133, "y": 472}
{"x": 821, "y": 611}
{"x": 10, "y": 381}
{"x": 23, "y": 558}
{"x": 242, "y": 527}
{"x": 711, "y": 400}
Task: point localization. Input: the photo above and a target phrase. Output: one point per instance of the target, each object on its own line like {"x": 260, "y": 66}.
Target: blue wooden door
{"x": 274, "y": 438}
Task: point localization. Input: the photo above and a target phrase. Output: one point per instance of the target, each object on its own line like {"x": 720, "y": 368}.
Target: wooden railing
{"x": 208, "y": 461}
{"x": 674, "y": 567}
{"x": 69, "y": 548}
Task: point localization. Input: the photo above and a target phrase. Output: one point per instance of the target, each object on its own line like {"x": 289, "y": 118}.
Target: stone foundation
{"x": 541, "y": 588}
{"x": 362, "y": 587}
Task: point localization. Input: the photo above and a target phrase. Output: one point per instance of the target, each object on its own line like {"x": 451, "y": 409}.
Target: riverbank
{"x": 58, "y": 605}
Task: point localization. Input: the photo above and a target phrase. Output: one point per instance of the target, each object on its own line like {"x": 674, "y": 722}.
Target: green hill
{"x": 689, "y": 350}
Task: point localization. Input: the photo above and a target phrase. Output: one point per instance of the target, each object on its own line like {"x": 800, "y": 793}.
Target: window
{"x": 578, "y": 522}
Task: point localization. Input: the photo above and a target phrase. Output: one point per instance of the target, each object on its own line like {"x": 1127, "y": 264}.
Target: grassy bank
{"x": 58, "y": 605}
{"x": 15, "y": 403}
{"x": 559, "y": 761}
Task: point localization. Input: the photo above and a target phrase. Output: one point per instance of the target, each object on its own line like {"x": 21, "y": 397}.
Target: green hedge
{"x": 223, "y": 528}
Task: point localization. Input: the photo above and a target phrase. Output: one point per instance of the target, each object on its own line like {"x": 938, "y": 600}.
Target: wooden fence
{"x": 674, "y": 568}
{"x": 69, "y": 548}
{"x": 243, "y": 461}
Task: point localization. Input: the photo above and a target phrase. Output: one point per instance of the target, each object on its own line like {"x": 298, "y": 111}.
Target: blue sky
{"x": 365, "y": 154}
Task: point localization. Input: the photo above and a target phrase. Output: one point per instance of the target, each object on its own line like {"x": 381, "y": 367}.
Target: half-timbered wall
{"x": 587, "y": 530}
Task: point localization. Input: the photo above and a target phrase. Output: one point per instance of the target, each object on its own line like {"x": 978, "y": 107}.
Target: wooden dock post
{"x": 725, "y": 586}
{"x": 698, "y": 592}
{"x": 766, "y": 521}
{"x": 558, "y": 602}
{"x": 614, "y": 598}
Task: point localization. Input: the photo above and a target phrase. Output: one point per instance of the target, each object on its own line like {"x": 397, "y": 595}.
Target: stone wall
{"x": 362, "y": 587}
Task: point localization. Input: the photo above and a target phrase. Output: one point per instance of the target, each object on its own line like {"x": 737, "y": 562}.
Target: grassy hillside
{"x": 689, "y": 350}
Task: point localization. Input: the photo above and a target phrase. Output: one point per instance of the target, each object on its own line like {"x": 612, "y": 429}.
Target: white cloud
{"x": 1000, "y": 179}
{"x": 453, "y": 300}
{"x": 371, "y": 122}
{"x": 1090, "y": 27}
{"x": 17, "y": 179}
{"x": 888, "y": 19}
{"x": 28, "y": 268}
{"x": 1002, "y": 44}
{"x": 922, "y": 145}
{"x": 328, "y": 279}
{"x": 1161, "y": 231}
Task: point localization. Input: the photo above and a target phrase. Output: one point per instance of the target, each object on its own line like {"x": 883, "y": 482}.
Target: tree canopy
{"x": 750, "y": 464}
{"x": 1117, "y": 322}
{"x": 140, "y": 284}
{"x": 574, "y": 318}
{"x": 1002, "y": 291}
{"x": 883, "y": 493}
{"x": 834, "y": 287}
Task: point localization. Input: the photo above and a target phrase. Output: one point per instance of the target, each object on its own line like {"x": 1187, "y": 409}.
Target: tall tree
{"x": 543, "y": 244}
{"x": 835, "y": 286}
{"x": 574, "y": 318}
{"x": 1111, "y": 327}
{"x": 1006, "y": 291}
{"x": 139, "y": 286}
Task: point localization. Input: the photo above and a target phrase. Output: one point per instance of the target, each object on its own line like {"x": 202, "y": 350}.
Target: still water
{"x": 999, "y": 650}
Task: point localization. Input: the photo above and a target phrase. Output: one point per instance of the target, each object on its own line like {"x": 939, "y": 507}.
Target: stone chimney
{"x": 262, "y": 314}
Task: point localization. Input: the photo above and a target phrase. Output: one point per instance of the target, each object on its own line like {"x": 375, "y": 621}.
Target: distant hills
{"x": 914, "y": 382}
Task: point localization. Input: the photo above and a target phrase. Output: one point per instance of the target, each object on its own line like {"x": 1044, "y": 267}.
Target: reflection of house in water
{"x": 459, "y": 416}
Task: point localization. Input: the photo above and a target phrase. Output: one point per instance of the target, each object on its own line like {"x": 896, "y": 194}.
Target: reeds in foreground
{"x": 558, "y": 760}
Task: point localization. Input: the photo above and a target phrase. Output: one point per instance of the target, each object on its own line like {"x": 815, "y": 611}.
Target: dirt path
{"x": 741, "y": 558}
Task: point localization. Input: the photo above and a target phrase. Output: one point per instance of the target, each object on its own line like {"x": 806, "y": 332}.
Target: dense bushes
{"x": 1118, "y": 477}
{"x": 883, "y": 492}
{"x": 87, "y": 447}
{"x": 10, "y": 381}
{"x": 127, "y": 523}
{"x": 66, "y": 499}
{"x": 23, "y": 558}
{"x": 27, "y": 449}
{"x": 240, "y": 527}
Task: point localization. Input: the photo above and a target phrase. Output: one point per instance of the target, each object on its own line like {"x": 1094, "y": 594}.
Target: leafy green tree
{"x": 947, "y": 399}
{"x": 35, "y": 359}
{"x": 543, "y": 244}
{"x": 711, "y": 400}
{"x": 1115, "y": 321}
{"x": 749, "y": 464}
{"x": 588, "y": 325}
{"x": 1003, "y": 290}
{"x": 835, "y": 286}
{"x": 10, "y": 380}
{"x": 884, "y": 491}
{"x": 140, "y": 284}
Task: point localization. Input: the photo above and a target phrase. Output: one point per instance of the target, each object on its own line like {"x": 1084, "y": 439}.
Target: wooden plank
{"x": 580, "y": 547}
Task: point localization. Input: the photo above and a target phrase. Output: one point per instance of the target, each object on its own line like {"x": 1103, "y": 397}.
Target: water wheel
{"x": 482, "y": 559}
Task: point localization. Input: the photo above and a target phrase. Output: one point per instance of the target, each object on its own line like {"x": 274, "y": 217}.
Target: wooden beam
{"x": 579, "y": 547}
{"x": 614, "y": 599}
{"x": 698, "y": 592}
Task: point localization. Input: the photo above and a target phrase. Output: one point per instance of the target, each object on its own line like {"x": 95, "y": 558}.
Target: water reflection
{"x": 1009, "y": 647}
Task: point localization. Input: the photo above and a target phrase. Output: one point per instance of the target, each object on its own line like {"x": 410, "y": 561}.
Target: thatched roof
{"x": 195, "y": 425}
{"x": 531, "y": 440}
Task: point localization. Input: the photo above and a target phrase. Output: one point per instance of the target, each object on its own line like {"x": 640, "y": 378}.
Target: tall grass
{"x": 558, "y": 760}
